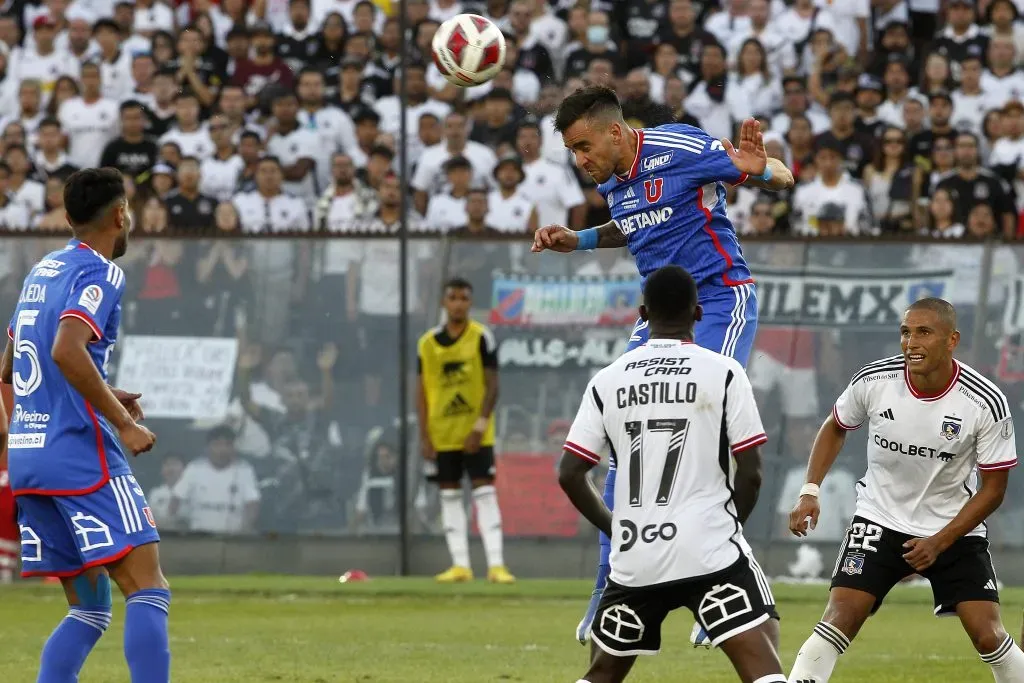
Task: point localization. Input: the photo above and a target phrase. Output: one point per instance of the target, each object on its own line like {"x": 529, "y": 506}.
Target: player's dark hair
{"x": 90, "y": 192}
{"x": 940, "y": 307}
{"x": 250, "y": 135}
{"x": 457, "y": 283}
{"x": 185, "y": 94}
{"x": 17, "y": 148}
{"x": 188, "y": 160}
{"x": 586, "y": 102}
{"x": 48, "y": 122}
{"x": 90, "y": 64}
{"x": 670, "y": 297}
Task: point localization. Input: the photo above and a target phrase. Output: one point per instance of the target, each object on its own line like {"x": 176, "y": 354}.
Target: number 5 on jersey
{"x": 25, "y": 349}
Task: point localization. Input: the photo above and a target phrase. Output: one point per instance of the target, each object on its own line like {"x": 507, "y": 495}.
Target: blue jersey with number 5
{"x": 58, "y": 443}
{"x": 671, "y": 206}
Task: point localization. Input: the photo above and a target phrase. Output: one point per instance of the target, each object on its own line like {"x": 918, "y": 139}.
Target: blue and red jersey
{"x": 671, "y": 206}
{"x": 58, "y": 444}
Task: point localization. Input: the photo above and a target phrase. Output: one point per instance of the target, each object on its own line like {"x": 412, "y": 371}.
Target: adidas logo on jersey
{"x": 457, "y": 406}
{"x": 630, "y": 194}
{"x": 991, "y": 585}
{"x": 887, "y": 414}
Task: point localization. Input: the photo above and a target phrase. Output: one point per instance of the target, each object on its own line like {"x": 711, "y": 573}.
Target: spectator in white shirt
{"x": 428, "y": 181}
{"x": 29, "y": 193}
{"x": 833, "y": 197}
{"x": 553, "y": 188}
{"x": 707, "y": 101}
{"x": 850, "y": 18}
{"x": 220, "y": 173}
{"x": 795, "y": 103}
{"x": 268, "y": 209}
{"x": 90, "y": 121}
{"x": 897, "y": 89}
{"x": 969, "y": 100}
{"x": 508, "y": 209}
{"x": 160, "y": 497}
{"x": 347, "y": 202}
{"x": 779, "y": 53}
{"x": 390, "y": 108}
{"x": 332, "y": 126}
{"x": 447, "y": 210}
{"x": 752, "y": 90}
{"x": 295, "y": 146}
{"x": 13, "y": 215}
{"x": 218, "y": 493}
{"x": 188, "y": 133}
{"x": 45, "y": 62}
{"x": 1002, "y": 82}
{"x": 115, "y": 62}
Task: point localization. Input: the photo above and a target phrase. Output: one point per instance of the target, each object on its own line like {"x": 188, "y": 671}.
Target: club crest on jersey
{"x": 653, "y": 188}
{"x": 651, "y": 163}
{"x": 951, "y": 427}
{"x": 91, "y": 298}
{"x": 853, "y": 563}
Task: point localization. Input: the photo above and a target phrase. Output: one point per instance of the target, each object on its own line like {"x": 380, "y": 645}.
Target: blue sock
{"x": 146, "y": 645}
{"x": 70, "y": 644}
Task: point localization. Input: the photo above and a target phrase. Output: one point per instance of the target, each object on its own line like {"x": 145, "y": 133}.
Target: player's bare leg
{"x": 89, "y": 613}
{"x": 607, "y": 668}
{"x": 754, "y": 656}
{"x": 488, "y": 515}
{"x": 147, "y": 603}
{"x": 984, "y": 626}
{"x": 845, "y": 614}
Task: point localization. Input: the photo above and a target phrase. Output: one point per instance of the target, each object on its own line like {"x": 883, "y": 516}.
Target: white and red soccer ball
{"x": 469, "y": 50}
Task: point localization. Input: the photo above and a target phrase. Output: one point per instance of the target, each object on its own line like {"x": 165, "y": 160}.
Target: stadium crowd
{"x": 897, "y": 116}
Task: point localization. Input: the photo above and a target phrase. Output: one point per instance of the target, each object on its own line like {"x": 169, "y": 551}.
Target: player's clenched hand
{"x": 806, "y": 507}
{"x": 555, "y": 238}
{"x": 750, "y": 157}
{"x": 136, "y": 438}
{"x": 130, "y": 401}
{"x": 922, "y": 552}
{"x": 472, "y": 442}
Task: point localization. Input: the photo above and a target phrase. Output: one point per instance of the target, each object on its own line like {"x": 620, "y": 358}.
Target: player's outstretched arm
{"x": 572, "y": 477}
{"x": 747, "y": 484}
{"x": 827, "y": 444}
{"x": 70, "y": 353}
{"x": 561, "y": 239}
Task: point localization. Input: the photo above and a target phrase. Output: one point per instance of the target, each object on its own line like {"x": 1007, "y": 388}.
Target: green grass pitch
{"x": 256, "y": 629}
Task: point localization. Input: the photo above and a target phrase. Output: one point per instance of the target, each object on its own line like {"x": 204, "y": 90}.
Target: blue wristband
{"x": 766, "y": 176}
{"x": 587, "y": 239}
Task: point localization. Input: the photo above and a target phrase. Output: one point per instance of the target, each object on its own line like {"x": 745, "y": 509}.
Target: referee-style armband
{"x": 587, "y": 239}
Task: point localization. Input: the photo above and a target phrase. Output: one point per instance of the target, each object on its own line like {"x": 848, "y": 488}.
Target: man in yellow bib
{"x": 456, "y": 395}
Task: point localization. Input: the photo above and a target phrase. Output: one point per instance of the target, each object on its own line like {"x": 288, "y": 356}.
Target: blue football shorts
{"x": 65, "y": 535}
{"x": 728, "y": 326}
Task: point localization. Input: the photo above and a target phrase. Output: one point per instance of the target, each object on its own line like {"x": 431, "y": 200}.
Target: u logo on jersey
{"x": 653, "y": 188}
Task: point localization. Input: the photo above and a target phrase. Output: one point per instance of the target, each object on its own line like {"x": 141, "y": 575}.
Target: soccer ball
{"x": 468, "y": 50}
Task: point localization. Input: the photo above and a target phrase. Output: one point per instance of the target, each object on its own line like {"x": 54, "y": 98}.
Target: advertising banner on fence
{"x": 548, "y": 302}
{"x": 528, "y": 349}
{"x": 179, "y": 377}
{"x": 860, "y": 298}
{"x": 808, "y": 296}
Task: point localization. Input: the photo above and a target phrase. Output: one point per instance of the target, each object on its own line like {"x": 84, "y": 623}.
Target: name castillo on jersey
{"x": 671, "y": 206}
{"x": 923, "y": 449}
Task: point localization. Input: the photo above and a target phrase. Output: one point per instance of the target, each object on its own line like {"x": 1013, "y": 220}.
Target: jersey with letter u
{"x": 58, "y": 443}
{"x": 452, "y": 373}
{"x": 671, "y": 206}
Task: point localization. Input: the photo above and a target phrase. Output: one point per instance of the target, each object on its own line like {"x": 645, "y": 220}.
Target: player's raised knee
{"x": 988, "y": 639}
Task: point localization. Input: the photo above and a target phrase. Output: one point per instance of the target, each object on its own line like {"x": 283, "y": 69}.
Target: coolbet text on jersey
{"x": 922, "y": 450}
{"x": 671, "y": 208}
{"x": 79, "y": 504}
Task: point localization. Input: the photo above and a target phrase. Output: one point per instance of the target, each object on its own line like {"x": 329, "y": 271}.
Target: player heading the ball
{"x": 677, "y": 417}
{"x": 664, "y": 188}
{"x": 932, "y": 423}
{"x": 82, "y": 514}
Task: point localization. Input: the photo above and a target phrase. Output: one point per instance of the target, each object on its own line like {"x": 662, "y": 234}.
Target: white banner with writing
{"x": 179, "y": 377}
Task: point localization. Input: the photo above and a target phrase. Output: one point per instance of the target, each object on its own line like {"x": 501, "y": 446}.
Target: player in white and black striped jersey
{"x": 685, "y": 433}
{"x": 935, "y": 427}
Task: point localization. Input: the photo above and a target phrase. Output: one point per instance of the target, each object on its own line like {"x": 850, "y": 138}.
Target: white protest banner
{"x": 179, "y": 377}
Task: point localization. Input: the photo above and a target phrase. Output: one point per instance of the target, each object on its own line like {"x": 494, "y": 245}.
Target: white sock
{"x": 818, "y": 656}
{"x": 488, "y": 518}
{"x": 456, "y": 528}
{"x": 772, "y": 678}
{"x": 1007, "y": 662}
